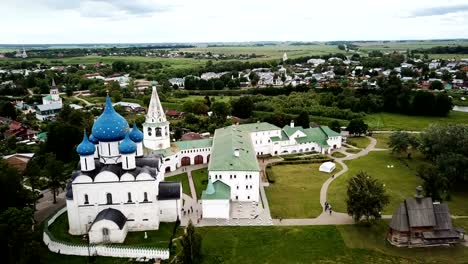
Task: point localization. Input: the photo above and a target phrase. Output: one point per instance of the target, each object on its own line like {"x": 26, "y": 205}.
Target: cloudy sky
{"x": 130, "y": 21}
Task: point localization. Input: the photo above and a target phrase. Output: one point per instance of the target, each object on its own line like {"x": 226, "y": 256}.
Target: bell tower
{"x": 156, "y": 127}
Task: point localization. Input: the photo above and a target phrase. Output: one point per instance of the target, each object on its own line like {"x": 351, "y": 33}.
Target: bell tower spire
{"x": 156, "y": 127}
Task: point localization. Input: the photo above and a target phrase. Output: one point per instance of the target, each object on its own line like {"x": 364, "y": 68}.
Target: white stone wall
{"x": 175, "y": 161}
{"x": 145, "y": 215}
{"x": 167, "y": 213}
{"x": 59, "y": 247}
{"x": 244, "y": 184}
{"x": 154, "y": 142}
{"x": 262, "y": 142}
{"x": 109, "y": 152}
{"x": 115, "y": 235}
{"x": 334, "y": 141}
{"x": 216, "y": 209}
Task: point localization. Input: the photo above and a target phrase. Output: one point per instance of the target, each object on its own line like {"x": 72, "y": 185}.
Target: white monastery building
{"x": 119, "y": 185}
{"x": 51, "y": 104}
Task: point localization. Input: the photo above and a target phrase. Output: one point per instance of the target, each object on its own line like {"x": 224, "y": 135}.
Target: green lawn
{"x": 183, "y": 178}
{"x": 458, "y": 200}
{"x": 156, "y": 238}
{"x": 337, "y": 154}
{"x": 373, "y": 238}
{"x": 59, "y": 229}
{"x": 301, "y": 244}
{"x": 400, "y": 181}
{"x": 360, "y": 142}
{"x": 388, "y": 121}
{"x": 200, "y": 180}
{"x": 382, "y": 140}
{"x": 296, "y": 191}
{"x": 353, "y": 150}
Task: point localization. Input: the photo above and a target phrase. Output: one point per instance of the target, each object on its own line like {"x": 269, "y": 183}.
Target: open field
{"x": 296, "y": 190}
{"x": 176, "y": 63}
{"x": 373, "y": 238}
{"x": 403, "y": 46}
{"x": 382, "y": 140}
{"x": 359, "y": 142}
{"x": 389, "y": 121}
{"x": 182, "y": 178}
{"x": 304, "y": 244}
{"x": 200, "y": 180}
{"x": 400, "y": 181}
{"x": 271, "y": 51}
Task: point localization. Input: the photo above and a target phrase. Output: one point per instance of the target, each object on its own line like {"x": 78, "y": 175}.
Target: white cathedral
{"x": 119, "y": 185}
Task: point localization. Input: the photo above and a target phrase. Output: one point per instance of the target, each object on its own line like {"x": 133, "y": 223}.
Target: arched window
{"x": 109, "y": 198}
{"x": 129, "y": 197}
{"x": 149, "y": 131}
{"x": 86, "y": 201}
{"x": 158, "y": 132}
{"x": 145, "y": 197}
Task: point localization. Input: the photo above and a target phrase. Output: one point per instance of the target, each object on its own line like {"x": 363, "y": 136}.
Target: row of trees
{"x": 445, "y": 149}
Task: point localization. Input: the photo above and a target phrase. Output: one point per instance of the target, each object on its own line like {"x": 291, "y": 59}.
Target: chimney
{"x": 236, "y": 152}
{"x": 292, "y": 123}
{"x": 419, "y": 194}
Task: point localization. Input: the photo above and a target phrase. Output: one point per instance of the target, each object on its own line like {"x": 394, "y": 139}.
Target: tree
{"x": 335, "y": 126}
{"x": 12, "y": 192}
{"x": 357, "y": 127}
{"x": 366, "y": 197}
{"x": 220, "y": 110}
{"x": 242, "y": 107}
{"x": 191, "y": 245}
{"x": 54, "y": 172}
{"x": 436, "y": 85}
{"x": 7, "y": 110}
{"x": 401, "y": 142}
{"x": 303, "y": 119}
{"x": 16, "y": 230}
{"x": 435, "y": 184}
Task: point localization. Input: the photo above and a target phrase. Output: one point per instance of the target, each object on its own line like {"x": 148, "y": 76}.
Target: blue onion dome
{"x": 93, "y": 140}
{"x": 85, "y": 148}
{"x": 127, "y": 146}
{"x": 135, "y": 134}
{"x": 110, "y": 126}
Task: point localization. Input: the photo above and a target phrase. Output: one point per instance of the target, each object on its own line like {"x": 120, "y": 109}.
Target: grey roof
{"x": 420, "y": 212}
{"x": 169, "y": 191}
{"x": 52, "y": 106}
{"x": 442, "y": 216}
{"x": 112, "y": 215}
{"x": 399, "y": 220}
{"x": 441, "y": 234}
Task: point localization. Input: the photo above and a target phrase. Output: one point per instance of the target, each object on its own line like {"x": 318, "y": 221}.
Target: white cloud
{"x": 124, "y": 21}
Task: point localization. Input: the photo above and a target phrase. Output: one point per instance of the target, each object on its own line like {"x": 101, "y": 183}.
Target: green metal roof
{"x": 256, "y": 127}
{"x": 329, "y": 132}
{"x": 275, "y": 139}
{"x": 42, "y": 136}
{"x": 222, "y": 191}
{"x": 193, "y": 144}
{"x": 291, "y": 130}
{"x": 226, "y": 140}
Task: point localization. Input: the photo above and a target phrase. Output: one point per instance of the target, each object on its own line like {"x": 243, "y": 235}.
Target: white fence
{"x": 66, "y": 248}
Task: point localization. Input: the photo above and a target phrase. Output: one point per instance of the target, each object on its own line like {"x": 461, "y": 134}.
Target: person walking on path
{"x": 330, "y": 208}
{"x": 326, "y": 206}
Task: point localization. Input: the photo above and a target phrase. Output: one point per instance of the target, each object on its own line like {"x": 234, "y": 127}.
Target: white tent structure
{"x": 327, "y": 167}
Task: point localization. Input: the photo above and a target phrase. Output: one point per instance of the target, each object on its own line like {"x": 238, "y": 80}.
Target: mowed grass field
{"x": 296, "y": 190}
{"x": 302, "y": 244}
{"x": 200, "y": 180}
{"x": 359, "y": 142}
{"x": 389, "y": 121}
{"x": 400, "y": 181}
{"x": 403, "y": 46}
{"x": 382, "y": 139}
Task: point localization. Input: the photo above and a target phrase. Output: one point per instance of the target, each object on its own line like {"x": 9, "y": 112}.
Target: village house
{"x": 420, "y": 222}
{"x": 17, "y": 129}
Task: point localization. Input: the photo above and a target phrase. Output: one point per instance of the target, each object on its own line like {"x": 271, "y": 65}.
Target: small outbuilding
{"x": 110, "y": 226}
{"x": 216, "y": 200}
{"x": 327, "y": 167}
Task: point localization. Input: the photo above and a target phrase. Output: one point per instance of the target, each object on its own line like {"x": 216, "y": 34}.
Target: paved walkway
{"x": 45, "y": 206}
